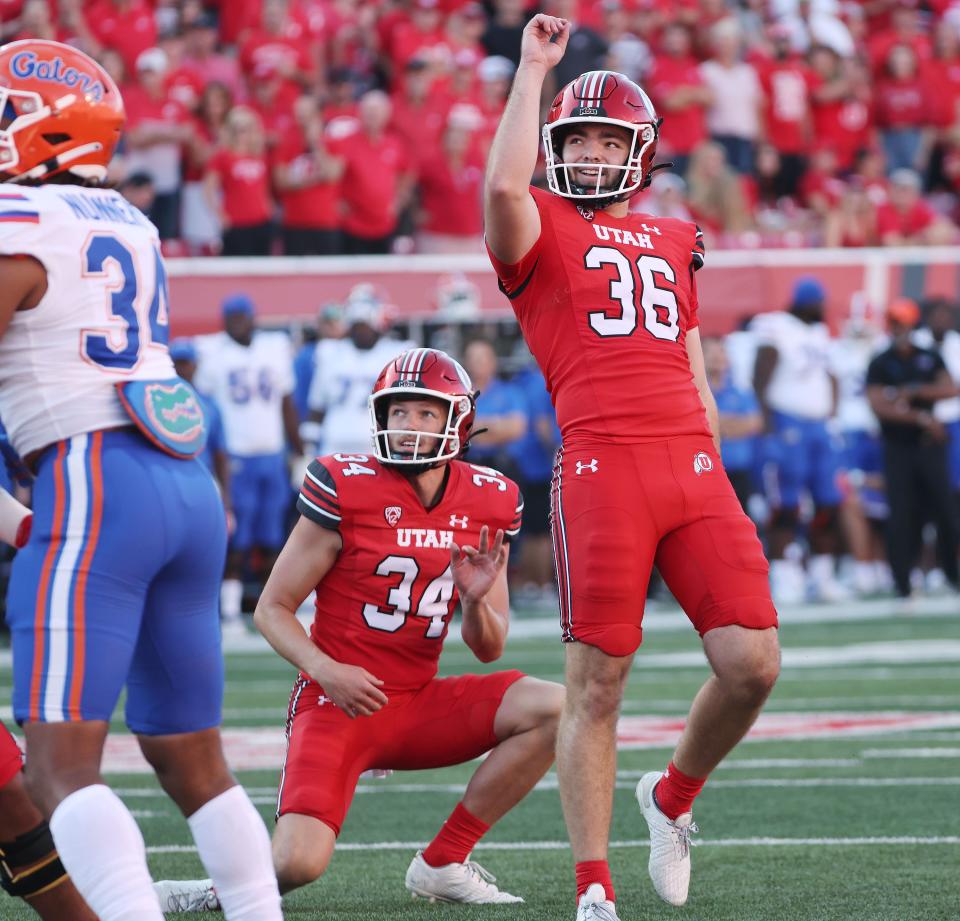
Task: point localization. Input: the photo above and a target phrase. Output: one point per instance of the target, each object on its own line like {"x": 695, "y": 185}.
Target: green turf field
{"x": 856, "y": 828}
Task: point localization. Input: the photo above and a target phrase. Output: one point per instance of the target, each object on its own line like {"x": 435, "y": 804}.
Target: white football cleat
{"x": 595, "y": 906}
{"x": 456, "y": 882}
{"x": 183, "y": 895}
{"x": 669, "y": 864}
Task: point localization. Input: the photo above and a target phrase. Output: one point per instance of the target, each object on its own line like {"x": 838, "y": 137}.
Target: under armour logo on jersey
{"x": 321, "y": 700}
{"x": 702, "y": 463}
{"x": 592, "y": 466}
{"x": 392, "y": 513}
{"x": 585, "y": 213}
{"x": 655, "y": 230}
{"x": 456, "y": 522}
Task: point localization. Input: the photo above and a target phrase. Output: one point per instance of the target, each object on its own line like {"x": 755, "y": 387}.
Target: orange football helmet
{"x": 604, "y": 97}
{"x": 423, "y": 374}
{"x": 59, "y": 111}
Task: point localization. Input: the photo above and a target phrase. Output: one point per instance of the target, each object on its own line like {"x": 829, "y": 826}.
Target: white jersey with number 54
{"x": 103, "y": 319}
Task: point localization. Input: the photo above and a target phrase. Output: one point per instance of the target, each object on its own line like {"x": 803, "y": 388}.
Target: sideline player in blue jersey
{"x": 118, "y": 583}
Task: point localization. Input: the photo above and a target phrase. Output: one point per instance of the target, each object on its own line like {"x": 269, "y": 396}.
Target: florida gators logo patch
{"x": 168, "y": 413}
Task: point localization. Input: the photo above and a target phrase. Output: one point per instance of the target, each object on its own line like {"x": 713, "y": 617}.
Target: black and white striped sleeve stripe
{"x": 698, "y": 253}
{"x": 514, "y": 528}
{"x": 318, "y": 498}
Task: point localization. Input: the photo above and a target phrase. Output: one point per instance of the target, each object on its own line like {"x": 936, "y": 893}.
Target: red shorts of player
{"x": 619, "y": 508}
{"x": 448, "y": 721}
{"x": 11, "y": 759}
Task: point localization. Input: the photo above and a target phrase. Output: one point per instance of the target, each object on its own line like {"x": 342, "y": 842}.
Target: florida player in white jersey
{"x": 798, "y": 395}
{"x": 345, "y": 373}
{"x": 118, "y": 583}
{"x": 390, "y": 541}
{"x": 248, "y": 372}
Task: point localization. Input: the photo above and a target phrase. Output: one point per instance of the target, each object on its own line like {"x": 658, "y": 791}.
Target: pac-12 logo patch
{"x": 702, "y": 463}
{"x": 392, "y": 513}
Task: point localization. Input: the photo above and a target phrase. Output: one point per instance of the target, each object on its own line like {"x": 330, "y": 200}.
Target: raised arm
{"x": 480, "y": 574}
{"x": 512, "y": 223}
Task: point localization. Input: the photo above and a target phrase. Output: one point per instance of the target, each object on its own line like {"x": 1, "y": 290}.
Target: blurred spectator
{"x": 798, "y": 395}
{"x": 502, "y": 36}
{"x": 903, "y": 385}
{"x": 278, "y": 49}
{"x": 680, "y": 95}
{"x": 628, "y": 54}
{"x": 841, "y": 101}
{"x": 201, "y": 226}
{"x": 306, "y": 176}
{"x": 237, "y": 186}
{"x": 377, "y": 181}
{"x": 463, "y": 33}
{"x": 418, "y": 112}
{"x": 904, "y": 29}
{"x": 421, "y": 35}
{"x": 716, "y": 194}
{"x": 137, "y": 188}
{"x": 500, "y": 410}
{"x": 202, "y": 57}
{"x": 903, "y": 111}
{"x": 853, "y": 220}
{"x": 907, "y": 219}
{"x": 346, "y": 371}
{"x": 733, "y": 118}
{"x": 740, "y": 420}
{"x": 157, "y": 127}
{"x": 450, "y": 183}
{"x": 666, "y": 197}
{"x": 495, "y": 74}
{"x": 586, "y": 50}
{"x": 821, "y": 189}
{"x": 128, "y": 26}
{"x": 786, "y": 82}
{"x": 248, "y": 373}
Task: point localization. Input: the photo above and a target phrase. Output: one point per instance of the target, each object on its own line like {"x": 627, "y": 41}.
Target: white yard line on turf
{"x": 896, "y": 841}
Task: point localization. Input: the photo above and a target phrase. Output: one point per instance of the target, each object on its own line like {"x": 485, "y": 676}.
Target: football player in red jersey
{"x": 607, "y": 303}
{"x": 390, "y": 542}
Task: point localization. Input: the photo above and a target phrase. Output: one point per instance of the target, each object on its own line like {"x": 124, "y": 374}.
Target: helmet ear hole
{"x": 56, "y": 138}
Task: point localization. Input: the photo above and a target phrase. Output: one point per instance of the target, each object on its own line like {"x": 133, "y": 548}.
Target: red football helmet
{"x": 604, "y": 97}
{"x": 417, "y": 374}
{"x": 59, "y": 111}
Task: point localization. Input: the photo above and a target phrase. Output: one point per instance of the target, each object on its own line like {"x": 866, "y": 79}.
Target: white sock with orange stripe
{"x": 235, "y": 849}
{"x": 102, "y": 849}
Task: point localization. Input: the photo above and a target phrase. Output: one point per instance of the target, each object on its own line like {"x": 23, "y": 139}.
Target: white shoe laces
{"x": 598, "y": 911}
{"x": 478, "y": 873}
{"x": 682, "y": 835}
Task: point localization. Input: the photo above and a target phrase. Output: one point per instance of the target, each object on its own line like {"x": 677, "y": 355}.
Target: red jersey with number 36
{"x": 387, "y": 602}
{"x": 604, "y": 304}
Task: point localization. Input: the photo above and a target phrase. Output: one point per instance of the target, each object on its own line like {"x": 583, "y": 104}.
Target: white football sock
{"x": 231, "y": 599}
{"x": 102, "y": 849}
{"x": 235, "y": 849}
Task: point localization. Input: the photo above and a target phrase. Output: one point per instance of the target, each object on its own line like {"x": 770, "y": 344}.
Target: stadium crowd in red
{"x": 330, "y": 126}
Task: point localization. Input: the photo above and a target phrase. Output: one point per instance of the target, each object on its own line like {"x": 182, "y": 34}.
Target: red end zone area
{"x": 262, "y": 749}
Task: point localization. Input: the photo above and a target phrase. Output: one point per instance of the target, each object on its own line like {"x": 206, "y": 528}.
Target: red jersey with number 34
{"x": 387, "y": 602}
{"x": 604, "y": 304}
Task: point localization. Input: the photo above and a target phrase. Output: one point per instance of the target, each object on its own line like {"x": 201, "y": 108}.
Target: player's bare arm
{"x": 698, "y": 368}
{"x": 23, "y": 282}
{"x": 512, "y": 223}
{"x": 480, "y": 574}
{"x": 306, "y": 558}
